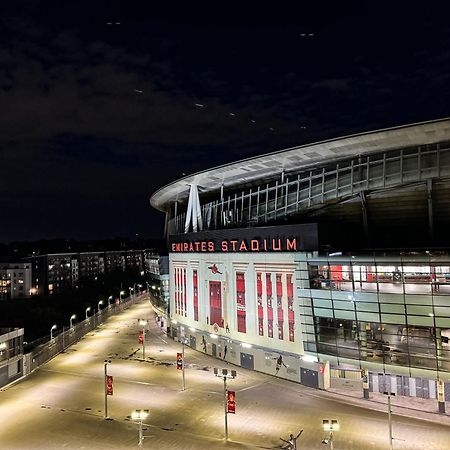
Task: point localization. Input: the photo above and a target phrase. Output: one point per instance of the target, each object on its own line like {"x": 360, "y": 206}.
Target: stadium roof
{"x": 304, "y": 156}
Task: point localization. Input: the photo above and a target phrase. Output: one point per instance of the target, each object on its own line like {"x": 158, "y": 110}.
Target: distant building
{"x": 55, "y": 272}
{"x": 11, "y": 355}
{"x": 15, "y": 280}
{"x": 157, "y": 271}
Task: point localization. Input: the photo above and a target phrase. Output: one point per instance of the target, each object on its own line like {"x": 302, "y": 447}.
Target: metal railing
{"x": 44, "y": 349}
{"x": 305, "y": 190}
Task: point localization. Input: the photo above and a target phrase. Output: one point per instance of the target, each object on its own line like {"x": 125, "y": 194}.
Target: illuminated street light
{"x": 87, "y": 309}
{"x": 110, "y": 298}
{"x": 98, "y": 306}
{"x": 140, "y": 415}
{"x": 330, "y": 426}
{"x": 225, "y": 374}
{"x": 51, "y": 331}
{"x": 120, "y": 295}
{"x": 72, "y": 317}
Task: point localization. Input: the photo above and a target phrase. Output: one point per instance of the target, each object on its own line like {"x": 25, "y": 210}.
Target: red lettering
{"x": 224, "y": 246}
{"x": 243, "y": 247}
{"x": 233, "y": 245}
{"x": 210, "y": 246}
{"x": 174, "y": 247}
{"x": 274, "y": 246}
{"x": 186, "y": 247}
{"x": 197, "y": 246}
{"x": 291, "y": 244}
{"x": 203, "y": 246}
{"x": 265, "y": 245}
{"x": 191, "y": 247}
{"x": 254, "y": 245}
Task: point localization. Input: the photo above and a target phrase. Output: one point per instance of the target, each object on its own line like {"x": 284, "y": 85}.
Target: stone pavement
{"x": 418, "y": 408}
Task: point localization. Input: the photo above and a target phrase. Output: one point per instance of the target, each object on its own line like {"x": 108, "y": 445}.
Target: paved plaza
{"x": 60, "y": 406}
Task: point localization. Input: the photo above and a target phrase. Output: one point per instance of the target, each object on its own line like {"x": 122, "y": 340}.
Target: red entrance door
{"x": 215, "y": 302}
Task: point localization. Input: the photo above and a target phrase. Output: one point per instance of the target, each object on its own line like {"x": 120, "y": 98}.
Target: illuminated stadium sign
{"x": 288, "y": 238}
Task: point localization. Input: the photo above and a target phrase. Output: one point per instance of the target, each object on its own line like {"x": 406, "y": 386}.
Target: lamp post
{"x": 225, "y": 374}
{"x": 391, "y": 439}
{"x": 98, "y": 306}
{"x": 143, "y": 323}
{"x": 51, "y": 331}
{"x": 330, "y": 426}
{"x": 72, "y": 317}
{"x": 140, "y": 415}
{"x": 87, "y": 309}
{"x": 184, "y": 341}
{"x": 120, "y": 295}
{"x": 106, "y": 362}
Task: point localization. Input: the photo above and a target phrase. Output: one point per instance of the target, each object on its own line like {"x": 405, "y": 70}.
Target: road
{"x": 60, "y": 406}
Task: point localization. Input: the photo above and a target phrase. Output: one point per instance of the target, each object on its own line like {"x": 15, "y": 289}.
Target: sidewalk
{"x": 413, "y": 407}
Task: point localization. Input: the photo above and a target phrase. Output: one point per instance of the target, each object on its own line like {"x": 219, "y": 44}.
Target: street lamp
{"x": 330, "y": 426}
{"x": 87, "y": 309}
{"x": 184, "y": 341}
{"x": 131, "y": 290}
{"x": 51, "y": 331}
{"x": 225, "y": 374}
{"x": 98, "y": 306}
{"x": 389, "y": 393}
{"x": 72, "y": 317}
{"x": 143, "y": 323}
{"x": 120, "y": 295}
{"x": 140, "y": 415}
{"x": 109, "y": 299}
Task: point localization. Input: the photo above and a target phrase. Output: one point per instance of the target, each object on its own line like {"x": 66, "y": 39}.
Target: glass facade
{"x": 383, "y": 310}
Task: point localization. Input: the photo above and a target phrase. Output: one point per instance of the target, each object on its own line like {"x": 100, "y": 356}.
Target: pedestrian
{"x": 204, "y": 343}
{"x": 292, "y": 442}
{"x": 227, "y": 328}
{"x": 279, "y": 364}
{"x": 225, "y": 351}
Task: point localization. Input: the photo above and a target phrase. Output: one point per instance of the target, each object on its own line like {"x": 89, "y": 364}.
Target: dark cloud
{"x": 97, "y": 117}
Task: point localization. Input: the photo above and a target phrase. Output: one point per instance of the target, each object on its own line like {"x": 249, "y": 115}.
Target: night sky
{"x": 102, "y": 104}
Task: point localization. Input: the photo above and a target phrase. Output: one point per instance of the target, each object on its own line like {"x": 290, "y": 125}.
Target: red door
{"x": 215, "y": 302}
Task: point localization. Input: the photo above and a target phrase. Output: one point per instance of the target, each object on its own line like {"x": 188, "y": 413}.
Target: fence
{"x": 43, "y": 352}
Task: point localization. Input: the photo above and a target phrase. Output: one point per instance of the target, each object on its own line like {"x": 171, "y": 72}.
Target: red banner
{"x": 231, "y": 402}
{"x": 179, "y": 361}
{"x": 109, "y": 385}
{"x": 141, "y": 338}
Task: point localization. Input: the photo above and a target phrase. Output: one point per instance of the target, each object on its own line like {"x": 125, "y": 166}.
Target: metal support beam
{"x": 364, "y": 216}
{"x": 430, "y": 210}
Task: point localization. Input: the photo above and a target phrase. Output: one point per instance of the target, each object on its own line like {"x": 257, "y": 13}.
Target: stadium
{"x": 325, "y": 264}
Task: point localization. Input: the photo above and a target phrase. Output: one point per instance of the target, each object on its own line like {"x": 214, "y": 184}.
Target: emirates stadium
{"x": 326, "y": 264}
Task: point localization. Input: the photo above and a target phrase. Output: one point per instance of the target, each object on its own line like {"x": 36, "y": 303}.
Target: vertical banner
{"x": 231, "y": 402}
{"x": 179, "y": 361}
{"x": 141, "y": 338}
{"x": 109, "y": 385}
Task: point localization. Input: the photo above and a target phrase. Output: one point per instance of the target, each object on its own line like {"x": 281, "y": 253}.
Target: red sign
{"x": 141, "y": 338}
{"x": 231, "y": 402}
{"x": 179, "y": 361}
{"x": 109, "y": 385}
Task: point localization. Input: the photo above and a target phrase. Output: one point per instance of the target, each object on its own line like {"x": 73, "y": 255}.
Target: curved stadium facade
{"x": 332, "y": 256}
